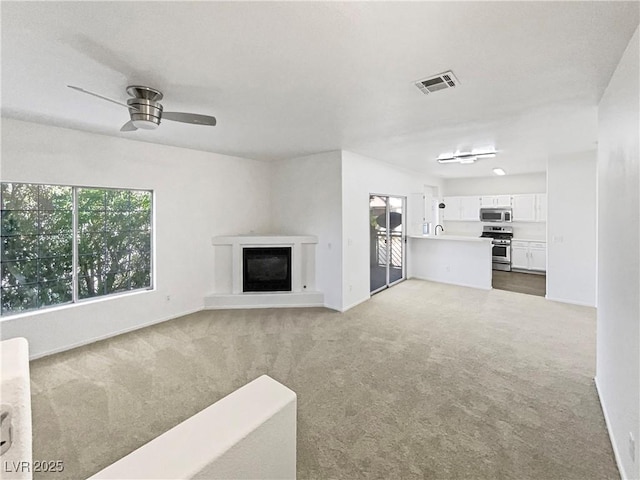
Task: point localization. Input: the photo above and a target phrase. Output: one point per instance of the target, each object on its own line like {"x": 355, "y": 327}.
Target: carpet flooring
{"x": 423, "y": 381}
{"x": 529, "y": 283}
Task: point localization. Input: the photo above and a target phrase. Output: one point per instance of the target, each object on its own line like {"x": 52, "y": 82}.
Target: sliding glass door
{"x": 387, "y": 241}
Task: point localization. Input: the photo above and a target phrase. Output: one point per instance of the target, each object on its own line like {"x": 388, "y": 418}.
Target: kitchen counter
{"x": 458, "y": 238}
{"x": 456, "y": 259}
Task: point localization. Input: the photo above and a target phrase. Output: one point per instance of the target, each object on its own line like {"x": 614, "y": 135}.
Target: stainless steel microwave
{"x": 495, "y": 215}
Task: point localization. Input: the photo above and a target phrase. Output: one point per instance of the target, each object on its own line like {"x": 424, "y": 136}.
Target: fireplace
{"x": 266, "y": 269}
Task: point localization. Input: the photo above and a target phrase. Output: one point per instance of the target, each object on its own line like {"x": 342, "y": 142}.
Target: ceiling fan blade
{"x": 128, "y": 127}
{"x": 102, "y": 97}
{"x": 189, "y": 118}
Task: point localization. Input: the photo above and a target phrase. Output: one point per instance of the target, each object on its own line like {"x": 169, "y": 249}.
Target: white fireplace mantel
{"x": 229, "y": 267}
{"x": 264, "y": 240}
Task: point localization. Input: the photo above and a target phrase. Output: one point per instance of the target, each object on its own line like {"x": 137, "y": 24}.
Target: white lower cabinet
{"x": 529, "y": 255}
{"x": 538, "y": 256}
{"x": 519, "y": 255}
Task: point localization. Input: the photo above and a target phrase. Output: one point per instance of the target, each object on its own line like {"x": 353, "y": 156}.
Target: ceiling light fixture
{"x": 465, "y": 157}
{"x": 499, "y": 171}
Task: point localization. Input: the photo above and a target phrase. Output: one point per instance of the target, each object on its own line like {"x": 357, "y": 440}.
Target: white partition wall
{"x": 249, "y": 434}
{"x": 15, "y": 400}
{"x": 571, "y": 225}
{"x": 618, "y": 340}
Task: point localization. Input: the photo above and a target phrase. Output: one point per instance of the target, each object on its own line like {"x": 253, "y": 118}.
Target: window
{"x": 46, "y": 260}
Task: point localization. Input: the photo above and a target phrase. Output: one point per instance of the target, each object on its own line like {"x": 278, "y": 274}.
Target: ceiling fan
{"x": 146, "y": 111}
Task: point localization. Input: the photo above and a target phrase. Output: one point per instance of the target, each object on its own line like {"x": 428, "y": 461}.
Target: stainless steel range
{"x": 501, "y": 241}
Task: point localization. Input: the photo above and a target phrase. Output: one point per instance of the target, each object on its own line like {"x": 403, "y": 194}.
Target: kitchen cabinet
{"x": 531, "y": 207}
{"x": 520, "y": 255}
{"x": 524, "y": 208}
{"x": 538, "y": 256}
{"x": 541, "y": 207}
{"x": 465, "y": 208}
{"x": 470, "y": 209}
{"x": 527, "y": 255}
{"x": 451, "y": 209}
{"x": 528, "y": 207}
{"x": 495, "y": 201}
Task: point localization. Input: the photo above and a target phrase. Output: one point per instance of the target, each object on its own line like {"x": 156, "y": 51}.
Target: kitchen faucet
{"x": 435, "y": 230}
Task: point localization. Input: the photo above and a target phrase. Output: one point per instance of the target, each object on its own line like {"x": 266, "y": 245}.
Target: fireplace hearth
{"x": 266, "y": 269}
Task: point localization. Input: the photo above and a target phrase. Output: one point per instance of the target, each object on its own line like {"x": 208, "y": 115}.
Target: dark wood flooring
{"x": 529, "y": 283}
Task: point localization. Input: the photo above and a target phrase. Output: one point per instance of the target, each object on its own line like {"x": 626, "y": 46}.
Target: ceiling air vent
{"x": 437, "y": 82}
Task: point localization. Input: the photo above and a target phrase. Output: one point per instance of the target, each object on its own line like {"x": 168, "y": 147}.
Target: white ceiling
{"x": 286, "y": 79}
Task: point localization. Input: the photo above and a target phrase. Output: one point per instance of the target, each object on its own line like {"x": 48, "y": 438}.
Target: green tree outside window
{"x": 113, "y": 244}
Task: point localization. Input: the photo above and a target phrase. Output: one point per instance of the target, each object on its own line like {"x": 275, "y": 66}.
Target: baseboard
{"x": 571, "y": 302}
{"x": 616, "y": 453}
{"x": 459, "y": 284}
{"x": 530, "y": 272}
{"x": 355, "y": 304}
{"x": 113, "y": 334}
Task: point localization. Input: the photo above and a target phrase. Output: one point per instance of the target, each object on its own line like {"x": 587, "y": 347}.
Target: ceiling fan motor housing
{"x": 145, "y": 113}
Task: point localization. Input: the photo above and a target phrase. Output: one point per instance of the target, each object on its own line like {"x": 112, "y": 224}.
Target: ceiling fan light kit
{"x": 146, "y": 112}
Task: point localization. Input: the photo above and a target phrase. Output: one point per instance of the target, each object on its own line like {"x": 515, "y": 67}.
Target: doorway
{"x": 387, "y": 241}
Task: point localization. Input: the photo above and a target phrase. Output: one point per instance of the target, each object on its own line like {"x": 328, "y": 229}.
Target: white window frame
{"x": 75, "y": 294}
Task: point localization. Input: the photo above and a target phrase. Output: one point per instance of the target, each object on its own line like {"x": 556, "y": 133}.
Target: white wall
{"x": 197, "y": 195}
{"x": 307, "y": 200}
{"x": 571, "y": 227}
{"x": 618, "y": 338}
{"x": 496, "y": 185}
{"x": 362, "y": 176}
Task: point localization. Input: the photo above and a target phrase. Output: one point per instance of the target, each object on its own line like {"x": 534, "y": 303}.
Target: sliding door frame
{"x": 403, "y": 240}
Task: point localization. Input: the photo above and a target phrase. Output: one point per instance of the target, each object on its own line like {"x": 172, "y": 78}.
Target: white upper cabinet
{"x": 491, "y": 201}
{"x": 503, "y": 200}
{"x": 524, "y": 208}
{"x": 452, "y": 208}
{"x": 470, "y": 208}
{"x": 541, "y": 207}
{"x": 466, "y": 208}
{"x": 528, "y": 207}
{"x": 487, "y": 201}
{"x": 531, "y": 207}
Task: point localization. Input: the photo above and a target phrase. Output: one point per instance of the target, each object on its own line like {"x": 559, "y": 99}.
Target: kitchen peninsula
{"x": 456, "y": 259}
